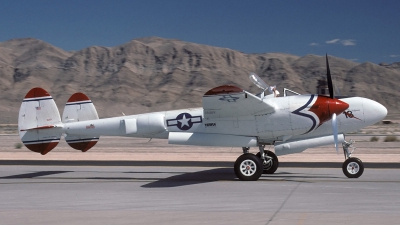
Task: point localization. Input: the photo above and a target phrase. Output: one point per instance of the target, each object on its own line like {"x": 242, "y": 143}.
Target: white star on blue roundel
{"x": 184, "y": 121}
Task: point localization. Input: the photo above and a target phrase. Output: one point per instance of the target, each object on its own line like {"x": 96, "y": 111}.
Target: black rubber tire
{"x": 248, "y": 167}
{"x": 270, "y": 169}
{"x": 353, "y": 168}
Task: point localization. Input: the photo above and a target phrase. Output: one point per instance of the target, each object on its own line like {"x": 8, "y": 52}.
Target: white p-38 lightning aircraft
{"x": 230, "y": 117}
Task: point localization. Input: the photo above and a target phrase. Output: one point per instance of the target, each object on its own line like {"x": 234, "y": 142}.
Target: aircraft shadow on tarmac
{"x": 227, "y": 174}
{"x": 184, "y": 179}
{"x": 204, "y": 176}
{"x": 34, "y": 174}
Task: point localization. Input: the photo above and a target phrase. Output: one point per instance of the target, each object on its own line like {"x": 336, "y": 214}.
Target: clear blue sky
{"x": 356, "y": 30}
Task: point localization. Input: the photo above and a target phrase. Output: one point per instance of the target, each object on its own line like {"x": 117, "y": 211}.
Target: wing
{"x": 231, "y": 101}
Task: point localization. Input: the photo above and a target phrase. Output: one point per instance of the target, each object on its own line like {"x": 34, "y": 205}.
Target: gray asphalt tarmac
{"x": 195, "y": 195}
{"x": 367, "y": 165}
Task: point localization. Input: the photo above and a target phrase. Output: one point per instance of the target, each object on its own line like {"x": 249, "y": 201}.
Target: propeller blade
{"x": 329, "y": 78}
{"x": 335, "y": 132}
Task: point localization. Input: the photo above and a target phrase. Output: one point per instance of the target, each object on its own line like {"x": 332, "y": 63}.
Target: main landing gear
{"x": 352, "y": 167}
{"x": 250, "y": 167}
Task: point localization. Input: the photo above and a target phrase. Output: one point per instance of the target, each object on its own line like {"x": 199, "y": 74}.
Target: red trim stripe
{"x": 82, "y": 146}
{"x": 224, "y": 89}
{"x": 42, "y": 148}
{"x": 77, "y": 97}
{"x": 37, "y": 92}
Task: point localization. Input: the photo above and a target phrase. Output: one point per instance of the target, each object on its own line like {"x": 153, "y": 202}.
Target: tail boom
{"x": 40, "y": 125}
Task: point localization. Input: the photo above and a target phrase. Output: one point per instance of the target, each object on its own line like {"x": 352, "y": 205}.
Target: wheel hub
{"x": 267, "y": 164}
{"x": 248, "y": 167}
{"x": 353, "y": 168}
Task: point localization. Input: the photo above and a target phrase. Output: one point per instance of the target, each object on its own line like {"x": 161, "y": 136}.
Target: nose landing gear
{"x": 352, "y": 167}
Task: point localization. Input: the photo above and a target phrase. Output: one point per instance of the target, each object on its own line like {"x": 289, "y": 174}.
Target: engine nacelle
{"x": 203, "y": 139}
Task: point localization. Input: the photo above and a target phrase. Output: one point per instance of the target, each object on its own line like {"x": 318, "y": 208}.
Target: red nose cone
{"x": 336, "y": 106}
{"x": 324, "y": 107}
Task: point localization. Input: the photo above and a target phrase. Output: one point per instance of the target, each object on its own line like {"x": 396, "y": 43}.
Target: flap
{"x": 231, "y": 101}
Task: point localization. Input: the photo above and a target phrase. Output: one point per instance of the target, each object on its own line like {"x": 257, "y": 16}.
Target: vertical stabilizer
{"x": 39, "y": 122}
{"x": 80, "y": 108}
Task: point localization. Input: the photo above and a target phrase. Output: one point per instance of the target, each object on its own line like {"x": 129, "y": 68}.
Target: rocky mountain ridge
{"x": 155, "y": 74}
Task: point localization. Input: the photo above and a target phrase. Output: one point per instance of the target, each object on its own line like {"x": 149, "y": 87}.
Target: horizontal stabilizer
{"x": 41, "y": 127}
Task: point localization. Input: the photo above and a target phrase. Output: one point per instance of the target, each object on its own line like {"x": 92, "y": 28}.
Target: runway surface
{"x": 195, "y": 195}
{"x": 125, "y": 150}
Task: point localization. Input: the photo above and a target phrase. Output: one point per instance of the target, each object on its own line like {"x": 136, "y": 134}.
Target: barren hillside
{"x": 153, "y": 74}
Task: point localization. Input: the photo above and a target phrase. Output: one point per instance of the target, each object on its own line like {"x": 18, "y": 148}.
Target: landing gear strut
{"x": 270, "y": 160}
{"x": 352, "y": 167}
